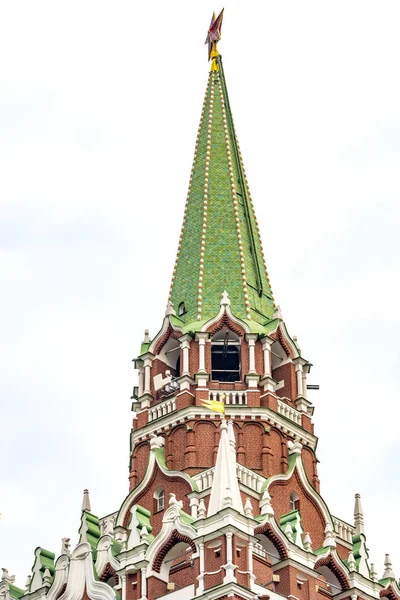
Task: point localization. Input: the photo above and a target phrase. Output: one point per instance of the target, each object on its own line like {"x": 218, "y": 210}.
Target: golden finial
{"x": 213, "y": 37}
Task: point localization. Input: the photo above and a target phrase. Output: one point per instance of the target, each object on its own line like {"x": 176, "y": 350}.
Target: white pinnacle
{"x": 388, "y": 572}
{"x": 225, "y": 488}
{"x": 86, "y": 501}
{"x": 358, "y": 516}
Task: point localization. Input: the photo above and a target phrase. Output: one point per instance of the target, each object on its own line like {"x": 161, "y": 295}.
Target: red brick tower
{"x": 224, "y": 497}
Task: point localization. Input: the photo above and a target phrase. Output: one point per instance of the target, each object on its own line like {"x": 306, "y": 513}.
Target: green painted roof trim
{"x": 143, "y": 516}
{"x": 160, "y": 457}
{"x": 90, "y": 529}
{"x": 185, "y": 518}
{"x": 15, "y": 592}
{"x": 289, "y": 518}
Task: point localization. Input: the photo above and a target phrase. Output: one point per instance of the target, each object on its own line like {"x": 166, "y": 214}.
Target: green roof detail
{"x": 44, "y": 559}
{"x": 220, "y": 246}
{"x": 89, "y": 531}
{"x": 15, "y": 592}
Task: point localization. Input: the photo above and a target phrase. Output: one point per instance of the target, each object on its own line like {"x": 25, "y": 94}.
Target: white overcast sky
{"x": 99, "y": 108}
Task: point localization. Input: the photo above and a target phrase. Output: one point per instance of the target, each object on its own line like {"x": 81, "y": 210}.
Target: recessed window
{"x": 294, "y": 502}
{"x": 181, "y": 309}
{"x": 159, "y": 499}
{"x": 225, "y": 356}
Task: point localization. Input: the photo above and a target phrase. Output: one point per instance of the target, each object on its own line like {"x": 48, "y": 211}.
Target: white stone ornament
{"x": 351, "y": 562}
{"x": 289, "y": 532}
{"x": 202, "y": 511}
{"x": 170, "y": 309}
{"x": 329, "y": 541}
{"x": 28, "y": 582}
{"x": 225, "y": 299}
{"x": 65, "y": 546}
{"x": 248, "y": 508}
{"x": 156, "y": 441}
{"x": 372, "y": 573}
{"x": 47, "y": 578}
{"x": 388, "y": 572}
{"x": 294, "y": 447}
{"x": 307, "y": 544}
{"x": 265, "y": 505}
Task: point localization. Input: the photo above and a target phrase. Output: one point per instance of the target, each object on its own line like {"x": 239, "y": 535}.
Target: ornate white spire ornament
{"x": 358, "y": 516}
{"x": 307, "y": 542}
{"x": 329, "y": 541}
{"x": 351, "y": 562}
{"x": 225, "y": 487}
{"x": 388, "y": 572}
{"x": 86, "y": 501}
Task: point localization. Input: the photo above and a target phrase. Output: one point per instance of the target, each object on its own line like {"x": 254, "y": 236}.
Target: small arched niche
{"x": 332, "y": 584}
{"x": 159, "y": 499}
{"x": 267, "y": 549}
{"x": 294, "y": 501}
{"x": 225, "y": 356}
{"x": 170, "y": 355}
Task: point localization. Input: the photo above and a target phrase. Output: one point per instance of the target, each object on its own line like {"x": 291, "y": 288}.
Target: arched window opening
{"x": 225, "y": 356}
{"x": 267, "y": 549}
{"x": 181, "y": 309}
{"x": 331, "y": 583}
{"x": 159, "y": 499}
{"x": 294, "y": 502}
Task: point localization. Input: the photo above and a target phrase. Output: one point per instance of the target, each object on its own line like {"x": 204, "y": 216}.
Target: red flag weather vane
{"x": 213, "y": 37}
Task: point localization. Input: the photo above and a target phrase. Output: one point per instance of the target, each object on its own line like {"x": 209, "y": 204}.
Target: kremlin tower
{"x": 224, "y": 498}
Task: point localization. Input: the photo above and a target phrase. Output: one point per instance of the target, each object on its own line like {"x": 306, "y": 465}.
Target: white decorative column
{"x": 298, "y": 365}
{"x": 143, "y": 584}
{"x": 267, "y": 380}
{"x": 185, "y": 380}
{"x": 123, "y": 588}
{"x": 141, "y": 379}
{"x": 200, "y": 578}
{"x": 229, "y": 567}
{"x": 252, "y": 378}
{"x": 250, "y": 565}
{"x": 201, "y": 375}
{"x": 147, "y": 396}
{"x": 185, "y": 345}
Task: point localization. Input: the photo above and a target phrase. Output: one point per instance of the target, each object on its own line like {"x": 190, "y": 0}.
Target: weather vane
{"x": 213, "y": 37}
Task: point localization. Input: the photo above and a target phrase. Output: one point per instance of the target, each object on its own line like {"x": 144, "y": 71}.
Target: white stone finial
{"x": 202, "y": 512}
{"x": 388, "y": 572}
{"x": 156, "y": 441}
{"x": 248, "y": 508}
{"x": 143, "y": 532}
{"x": 146, "y": 339}
{"x": 65, "y": 546}
{"x": 7, "y": 577}
{"x": 307, "y": 542}
{"x": 47, "y": 577}
{"x": 225, "y": 299}
{"x": 329, "y": 540}
{"x": 86, "y": 501}
{"x": 372, "y": 573}
{"x": 289, "y": 532}
{"x": 174, "y": 502}
{"x": 225, "y": 487}
{"x": 265, "y": 505}
{"x": 28, "y": 583}
{"x": 277, "y": 313}
{"x": 294, "y": 447}
{"x": 170, "y": 309}
{"x": 358, "y": 516}
{"x": 351, "y": 562}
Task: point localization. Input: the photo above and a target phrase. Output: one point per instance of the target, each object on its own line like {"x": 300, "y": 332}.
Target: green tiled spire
{"x": 219, "y": 246}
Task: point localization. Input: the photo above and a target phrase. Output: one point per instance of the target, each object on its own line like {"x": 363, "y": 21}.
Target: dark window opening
{"x": 225, "y": 362}
{"x": 181, "y": 309}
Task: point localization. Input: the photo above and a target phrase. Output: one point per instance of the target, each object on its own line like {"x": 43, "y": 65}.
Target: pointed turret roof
{"x": 225, "y": 488}
{"x": 220, "y": 246}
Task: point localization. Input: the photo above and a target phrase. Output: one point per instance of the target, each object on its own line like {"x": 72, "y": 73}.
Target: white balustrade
{"x": 290, "y": 413}
{"x": 246, "y": 477}
{"x": 229, "y": 397}
{"x": 162, "y": 409}
{"x": 259, "y": 550}
{"x": 343, "y": 530}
